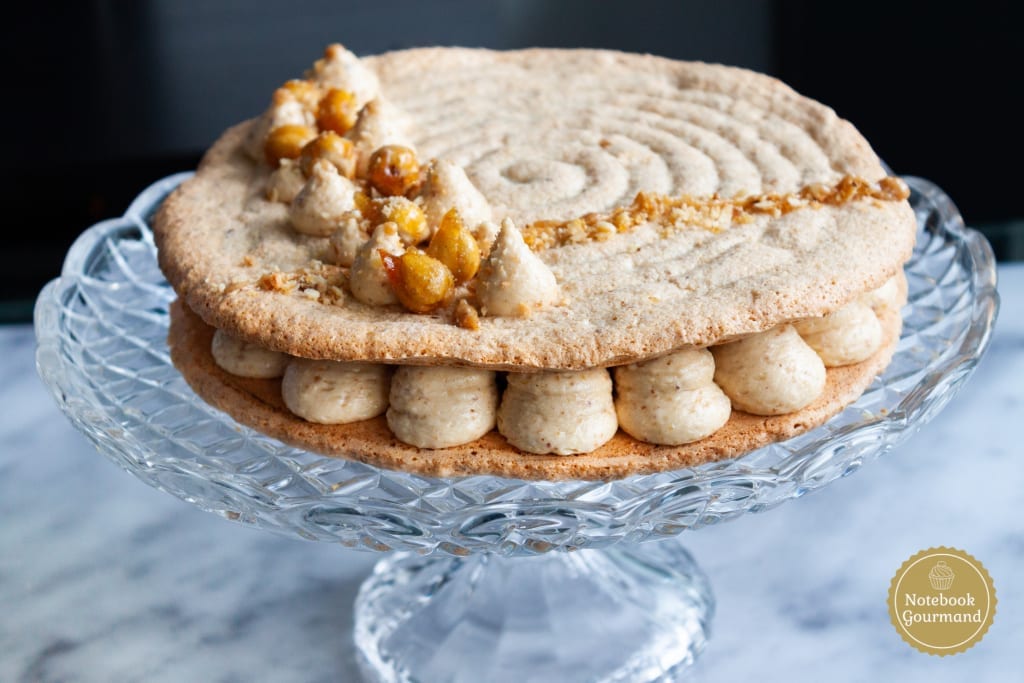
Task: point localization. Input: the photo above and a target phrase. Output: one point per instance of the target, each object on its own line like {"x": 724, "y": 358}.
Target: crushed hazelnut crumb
{"x": 275, "y": 282}
{"x": 712, "y": 213}
{"x": 603, "y": 230}
{"x": 466, "y": 316}
{"x": 318, "y": 281}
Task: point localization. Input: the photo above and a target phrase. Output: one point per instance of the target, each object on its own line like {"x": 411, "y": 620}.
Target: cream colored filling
{"x": 346, "y": 240}
{"x": 558, "y": 412}
{"x": 340, "y": 68}
{"x": 438, "y": 407}
{"x": 285, "y": 182}
{"x": 485, "y": 235}
{"x": 244, "y": 359}
{"x": 679, "y": 398}
{"x": 513, "y": 280}
{"x": 850, "y": 335}
{"x": 771, "y": 373}
{"x": 448, "y": 187}
{"x": 888, "y": 297}
{"x": 329, "y": 392}
{"x": 322, "y": 203}
{"x": 671, "y": 400}
{"x": 368, "y": 280}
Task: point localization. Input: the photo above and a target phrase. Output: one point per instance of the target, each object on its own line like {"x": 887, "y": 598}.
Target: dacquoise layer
{"x": 549, "y": 136}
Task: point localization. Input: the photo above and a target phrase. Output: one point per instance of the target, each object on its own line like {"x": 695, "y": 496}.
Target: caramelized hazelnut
{"x": 455, "y": 247}
{"x": 337, "y": 111}
{"x": 407, "y": 215}
{"x": 331, "y": 147}
{"x": 892, "y": 188}
{"x": 420, "y": 282}
{"x": 365, "y": 206}
{"x": 286, "y": 142}
{"x": 393, "y": 170}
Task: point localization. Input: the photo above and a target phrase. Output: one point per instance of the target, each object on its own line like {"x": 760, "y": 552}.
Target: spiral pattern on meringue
{"x": 615, "y": 133}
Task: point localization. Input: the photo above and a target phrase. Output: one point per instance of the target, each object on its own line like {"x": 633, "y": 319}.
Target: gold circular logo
{"x": 942, "y": 601}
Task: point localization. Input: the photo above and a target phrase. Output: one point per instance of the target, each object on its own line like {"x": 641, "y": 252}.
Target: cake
{"x": 540, "y": 263}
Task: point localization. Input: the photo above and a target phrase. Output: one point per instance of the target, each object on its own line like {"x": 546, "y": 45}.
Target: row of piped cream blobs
{"x": 679, "y": 398}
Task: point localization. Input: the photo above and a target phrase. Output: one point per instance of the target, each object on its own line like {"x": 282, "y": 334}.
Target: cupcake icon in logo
{"x": 941, "y": 576}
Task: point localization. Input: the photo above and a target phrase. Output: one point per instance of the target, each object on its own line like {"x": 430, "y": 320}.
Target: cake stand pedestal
{"x": 620, "y": 614}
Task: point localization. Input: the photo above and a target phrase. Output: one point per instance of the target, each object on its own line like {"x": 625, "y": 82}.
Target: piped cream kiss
{"x": 514, "y": 281}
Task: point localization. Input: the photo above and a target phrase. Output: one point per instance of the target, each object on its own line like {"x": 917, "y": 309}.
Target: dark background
{"x": 104, "y": 97}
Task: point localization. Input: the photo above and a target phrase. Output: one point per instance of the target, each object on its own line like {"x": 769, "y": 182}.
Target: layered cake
{"x": 542, "y": 263}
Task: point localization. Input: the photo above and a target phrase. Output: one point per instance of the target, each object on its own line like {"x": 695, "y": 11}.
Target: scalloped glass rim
{"x": 101, "y": 330}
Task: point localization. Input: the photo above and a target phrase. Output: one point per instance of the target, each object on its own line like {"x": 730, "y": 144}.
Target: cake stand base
{"x": 638, "y": 613}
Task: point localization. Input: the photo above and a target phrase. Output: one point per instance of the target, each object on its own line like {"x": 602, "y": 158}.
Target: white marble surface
{"x": 104, "y": 579}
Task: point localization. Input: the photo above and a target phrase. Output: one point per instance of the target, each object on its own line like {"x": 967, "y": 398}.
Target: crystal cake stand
{"x": 485, "y": 588}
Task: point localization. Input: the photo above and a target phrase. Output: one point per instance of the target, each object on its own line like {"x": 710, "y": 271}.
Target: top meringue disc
{"x": 551, "y": 135}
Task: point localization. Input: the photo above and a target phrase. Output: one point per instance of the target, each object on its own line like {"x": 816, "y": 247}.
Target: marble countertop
{"x": 105, "y": 579}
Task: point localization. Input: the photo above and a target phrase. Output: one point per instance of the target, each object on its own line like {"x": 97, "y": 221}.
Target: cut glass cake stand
{"x": 494, "y": 579}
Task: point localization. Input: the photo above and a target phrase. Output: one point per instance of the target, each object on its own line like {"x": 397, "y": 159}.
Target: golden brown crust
{"x": 700, "y": 292}
{"x": 257, "y": 403}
